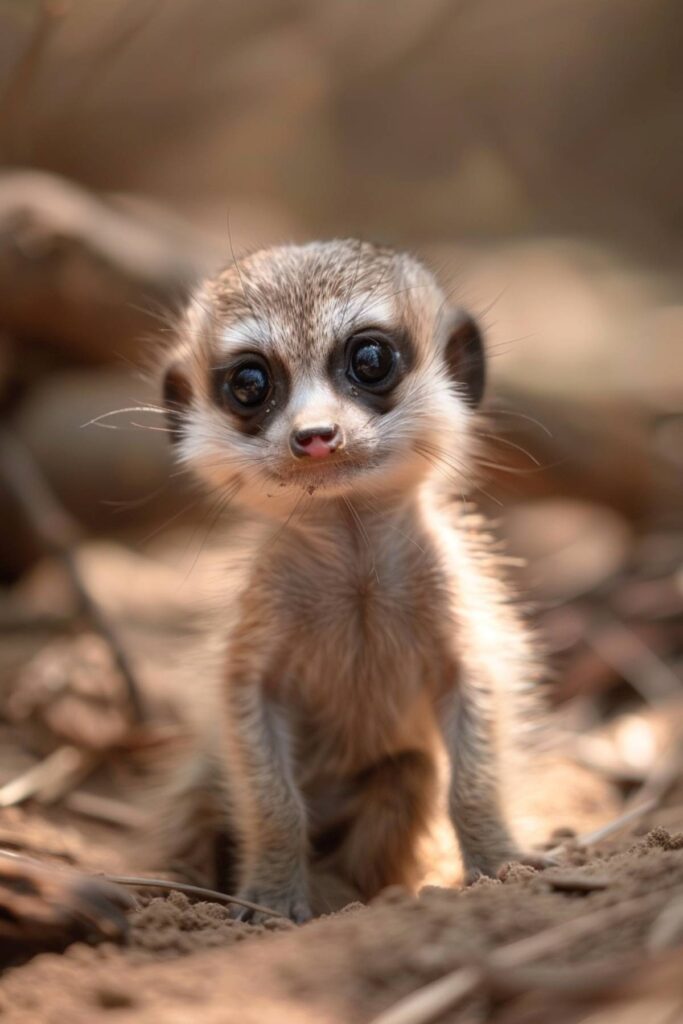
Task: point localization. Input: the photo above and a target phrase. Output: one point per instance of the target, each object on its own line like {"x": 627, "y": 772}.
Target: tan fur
{"x": 367, "y": 621}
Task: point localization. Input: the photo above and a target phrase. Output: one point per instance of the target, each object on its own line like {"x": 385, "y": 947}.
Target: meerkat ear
{"x": 177, "y": 395}
{"x": 465, "y": 358}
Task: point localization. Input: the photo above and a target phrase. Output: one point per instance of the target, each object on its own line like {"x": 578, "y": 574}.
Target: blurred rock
{"x": 71, "y": 692}
{"x": 44, "y": 907}
{"x": 571, "y": 547}
{"x": 130, "y": 587}
{"x": 569, "y": 318}
{"x": 113, "y": 476}
{"x": 87, "y": 278}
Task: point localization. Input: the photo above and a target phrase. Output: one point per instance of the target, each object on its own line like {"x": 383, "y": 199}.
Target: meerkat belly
{"x": 362, "y": 674}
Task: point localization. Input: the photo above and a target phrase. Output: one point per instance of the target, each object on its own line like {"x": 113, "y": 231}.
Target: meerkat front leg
{"x": 270, "y": 810}
{"x": 477, "y": 729}
{"x": 474, "y": 799}
{"x": 492, "y": 706}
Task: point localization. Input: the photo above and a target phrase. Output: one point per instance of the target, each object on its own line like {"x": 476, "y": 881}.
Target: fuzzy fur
{"x": 367, "y": 623}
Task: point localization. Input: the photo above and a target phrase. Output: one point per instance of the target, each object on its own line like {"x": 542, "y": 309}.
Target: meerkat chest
{"x": 365, "y": 636}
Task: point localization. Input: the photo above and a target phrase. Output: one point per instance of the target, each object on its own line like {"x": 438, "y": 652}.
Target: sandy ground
{"x": 187, "y": 962}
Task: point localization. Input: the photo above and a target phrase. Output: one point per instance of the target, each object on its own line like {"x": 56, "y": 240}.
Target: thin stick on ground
{"x": 58, "y": 534}
{"x": 429, "y": 1002}
{"x": 106, "y": 809}
{"x": 49, "y": 779}
{"x": 622, "y": 649}
{"x": 191, "y": 890}
{"x": 646, "y": 798}
{"x": 662, "y": 776}
{"x": 575, "y": 882}
{"x": 627, "y": 818}
{"x": 140, "y": 882}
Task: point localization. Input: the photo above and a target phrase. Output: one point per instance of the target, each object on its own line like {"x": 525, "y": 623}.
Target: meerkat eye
{"x": 246, "y": 387}
{"x": 372, "y": 361}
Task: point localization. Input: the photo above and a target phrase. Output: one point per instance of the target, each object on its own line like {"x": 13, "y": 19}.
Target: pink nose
{"x": 316, "y": 442}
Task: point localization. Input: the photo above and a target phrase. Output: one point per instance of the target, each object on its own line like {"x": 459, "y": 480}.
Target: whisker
{"x": 97, "y": 420}
{"x": 361, "y": 529}
{"x": 512, "y": 444}
{"x": 221, "y": 507}
{"x": 283, "y": 526}
{"x": 172, "y": 519}
{"x": 148, "y": 426}
{"x": 133, "y": 503}
{"x": 392, "y": 526}
{"x": 511, "y": 470}
{"x": 448, "y": 458}
{"x": 381, "y": 281}
{"x": 440, "y": 462}
{"x": 352, "y": 285}
{"x": 522, "y": 416}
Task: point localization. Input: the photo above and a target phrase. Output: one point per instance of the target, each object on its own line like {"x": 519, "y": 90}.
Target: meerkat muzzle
{"x": 316, "y": 442}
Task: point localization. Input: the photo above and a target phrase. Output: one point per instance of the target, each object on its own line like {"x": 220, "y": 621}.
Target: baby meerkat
{"x": 328, "y": 391}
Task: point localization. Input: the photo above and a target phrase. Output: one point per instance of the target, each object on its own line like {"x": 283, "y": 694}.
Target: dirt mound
{"x": 187, "y": 962}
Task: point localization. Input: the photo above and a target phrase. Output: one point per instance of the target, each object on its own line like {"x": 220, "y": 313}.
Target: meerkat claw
{"x": 293, "y": 908}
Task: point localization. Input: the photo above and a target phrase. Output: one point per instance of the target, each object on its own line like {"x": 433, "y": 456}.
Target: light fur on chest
{"x": 358, "y": 647}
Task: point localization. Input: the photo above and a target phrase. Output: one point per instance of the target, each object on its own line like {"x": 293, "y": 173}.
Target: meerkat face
{"x": 329, "y": 369}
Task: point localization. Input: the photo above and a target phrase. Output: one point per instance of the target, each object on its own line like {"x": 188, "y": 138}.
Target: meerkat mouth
{"x": 327, "y": 474}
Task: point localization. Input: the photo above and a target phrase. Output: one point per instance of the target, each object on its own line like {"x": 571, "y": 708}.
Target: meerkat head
{"x": 331, "y": 369}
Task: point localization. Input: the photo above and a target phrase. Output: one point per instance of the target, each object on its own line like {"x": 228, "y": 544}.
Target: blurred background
{"x": 533, "y": 156}
{"x": 530, "y": 152}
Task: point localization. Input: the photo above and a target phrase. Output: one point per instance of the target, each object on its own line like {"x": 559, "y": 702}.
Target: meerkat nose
{"x": 316, "y": 442}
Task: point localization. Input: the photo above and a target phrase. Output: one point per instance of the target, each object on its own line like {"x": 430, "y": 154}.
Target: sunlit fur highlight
{"x": 367, "y": 623}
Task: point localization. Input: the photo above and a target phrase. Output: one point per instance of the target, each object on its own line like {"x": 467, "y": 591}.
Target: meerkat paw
{"x": 534, "y": 859}
{"x": 291, "y": 903}
{"x": 491, "y": 867}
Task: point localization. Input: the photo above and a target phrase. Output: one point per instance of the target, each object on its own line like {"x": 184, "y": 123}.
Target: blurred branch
{"x": 624, "y": 651}
{"x": 50, "y": 15}
{"x": 627, "y": 818}
{"x": 140, "y": 882}
{"x": 44, "y": 907}
{"x": 430, "y": 1002}
{"x": 59, "y": 534}
{"x": 51, "y": 778}
{"x": 85, "y": 276}
{"x": 578, "y": 447}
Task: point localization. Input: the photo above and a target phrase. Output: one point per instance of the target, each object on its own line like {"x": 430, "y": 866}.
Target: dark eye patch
{"x": 250, "y": 388}
{"x": 370, "y": 363}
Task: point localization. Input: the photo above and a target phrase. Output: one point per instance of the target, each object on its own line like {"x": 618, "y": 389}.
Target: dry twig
{"x": 104, "y": 808}
{"x": 46, "y": 907}
{"x": 51, "y": 778}
{"x": 58, "y": 533}
{"x": 140, "y": 882}
{"x": 430, "y": 1001}
{"x": 192, "y": 890}
{"x": 647, "y": 798}
{"x": 575, "y": 882}
{"x": 627, "y": 818}
{"x": 663, "y": 775}
{"x": 636, "y": 662}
